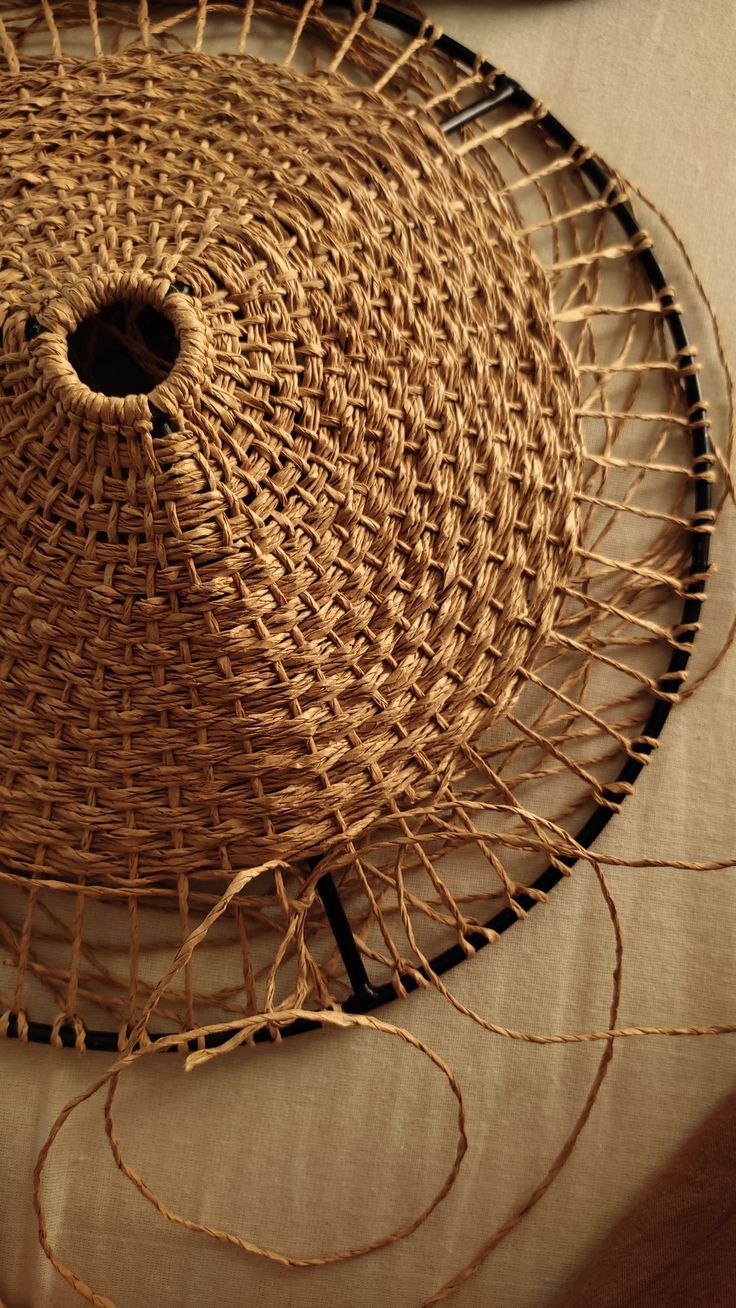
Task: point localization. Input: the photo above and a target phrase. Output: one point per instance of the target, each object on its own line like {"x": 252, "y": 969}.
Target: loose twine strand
{"x": 244, "y": 1029}
{"x": 446, "y": 815}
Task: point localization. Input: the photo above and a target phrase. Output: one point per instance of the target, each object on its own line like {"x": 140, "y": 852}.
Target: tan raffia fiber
{"x": 428, "y": 473}
{"x": 355, "y": 535}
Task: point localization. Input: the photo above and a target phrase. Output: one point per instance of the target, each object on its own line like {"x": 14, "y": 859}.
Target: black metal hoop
{"x": 366, "y": 996}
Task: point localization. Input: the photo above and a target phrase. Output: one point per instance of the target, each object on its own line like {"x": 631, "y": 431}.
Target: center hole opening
{"x": 126, "y": 348}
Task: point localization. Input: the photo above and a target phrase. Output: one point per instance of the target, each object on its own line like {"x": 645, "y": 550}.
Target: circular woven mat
{"x": 346, "y": 506}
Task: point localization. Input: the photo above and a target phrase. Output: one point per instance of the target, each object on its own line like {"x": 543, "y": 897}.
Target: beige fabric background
{"x": 332, "y": 1139}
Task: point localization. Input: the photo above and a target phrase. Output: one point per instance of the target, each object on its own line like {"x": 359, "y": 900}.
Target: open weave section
{"x": 347, "y": 499}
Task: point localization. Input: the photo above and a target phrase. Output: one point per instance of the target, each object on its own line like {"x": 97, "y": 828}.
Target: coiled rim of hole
{"x": 367, "y": 997}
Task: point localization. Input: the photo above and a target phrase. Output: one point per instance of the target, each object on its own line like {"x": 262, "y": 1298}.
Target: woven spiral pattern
{"x": 248, "y": 606}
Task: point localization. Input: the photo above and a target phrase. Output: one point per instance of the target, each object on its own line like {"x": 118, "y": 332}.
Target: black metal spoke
{"x": 504, "y": 90}
{"x": 363, "y": 992}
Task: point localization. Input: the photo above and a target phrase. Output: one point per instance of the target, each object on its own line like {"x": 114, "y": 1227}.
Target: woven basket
{"x": 353, "y": 510}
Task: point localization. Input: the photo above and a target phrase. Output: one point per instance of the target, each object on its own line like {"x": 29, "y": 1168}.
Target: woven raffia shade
{"x": 247, "y": 636}
{"x": 346, "y": 506}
